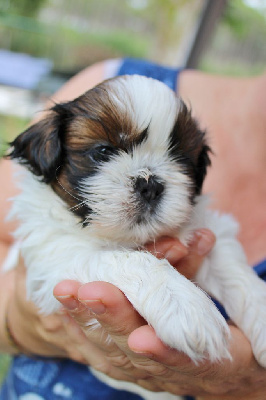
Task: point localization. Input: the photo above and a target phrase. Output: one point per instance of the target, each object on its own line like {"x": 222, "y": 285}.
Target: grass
{"x": 10, "y": 127}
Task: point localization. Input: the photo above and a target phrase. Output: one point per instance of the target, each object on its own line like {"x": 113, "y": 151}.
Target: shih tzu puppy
{"x": 118, "y": 167}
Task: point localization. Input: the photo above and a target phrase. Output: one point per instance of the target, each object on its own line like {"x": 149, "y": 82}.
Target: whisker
{"x": 77, "y": 206}
{"x": 74, "y": 197}
{"x": 86, "y": 221}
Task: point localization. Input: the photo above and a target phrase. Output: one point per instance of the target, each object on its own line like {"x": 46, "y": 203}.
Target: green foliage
{"x": 29, "y": 8}
{"x": 10, "y": 127}
{"x": 82, "y": 32}
{"x": 84, "y": 47}
{"x": 236, "y": 68}
{"x": 241, "y": 19}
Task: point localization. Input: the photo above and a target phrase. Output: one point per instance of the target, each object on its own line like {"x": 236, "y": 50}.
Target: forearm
{"x": 7, "y": 286}
{"x": 8, "y": 190}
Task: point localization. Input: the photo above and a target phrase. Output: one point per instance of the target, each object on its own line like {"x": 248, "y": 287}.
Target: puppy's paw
{"x": 259, "y": 345}
{"x": 246, "y": 306}
{"x": 253, "y": 321}
{"x": 195, "y": 327}
{"x": 256, "y": 333}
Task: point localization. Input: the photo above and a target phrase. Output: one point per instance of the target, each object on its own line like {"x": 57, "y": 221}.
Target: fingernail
{"x": 202, "y": 242}
{"x": 143, "y": 353}
{"x": 95, "y": 306}
{"x": 175, "y": 253}
{"x": 69, "y": 302}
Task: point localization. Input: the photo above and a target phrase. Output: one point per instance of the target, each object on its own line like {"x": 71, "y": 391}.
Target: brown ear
{"x": 188, "y": 144}
{"x": 40, "y": 147}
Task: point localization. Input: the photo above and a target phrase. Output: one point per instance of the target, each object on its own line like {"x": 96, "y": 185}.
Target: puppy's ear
{"x": 40, "y": 147}
{"x": 203, "y": 163}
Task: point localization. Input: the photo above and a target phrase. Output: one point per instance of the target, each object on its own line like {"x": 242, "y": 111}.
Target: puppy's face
{"x": 126, "y": 157}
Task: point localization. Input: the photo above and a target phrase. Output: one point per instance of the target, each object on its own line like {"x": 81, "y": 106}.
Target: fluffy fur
{"x": 121, "y": 165}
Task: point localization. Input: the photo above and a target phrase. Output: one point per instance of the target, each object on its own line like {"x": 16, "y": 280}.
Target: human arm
{"x": 6, "y": 280}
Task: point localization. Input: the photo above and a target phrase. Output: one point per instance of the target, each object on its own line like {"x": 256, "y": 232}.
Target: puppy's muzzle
{"x": 149, "y": 189}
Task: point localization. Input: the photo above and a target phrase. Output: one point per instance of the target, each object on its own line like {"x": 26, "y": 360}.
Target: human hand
{"x": 32, "y": 332}
{"x": 112, "y": 357}
{"x": 51, "y": 335}
{"x": 137, "y": 355}
{"x": 132, "y": 354}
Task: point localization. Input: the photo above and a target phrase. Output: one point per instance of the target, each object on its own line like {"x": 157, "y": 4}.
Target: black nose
{"x": 150, "y": 188}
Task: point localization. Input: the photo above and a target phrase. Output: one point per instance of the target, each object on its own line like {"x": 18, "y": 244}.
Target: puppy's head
{"x": 126, "y": 157}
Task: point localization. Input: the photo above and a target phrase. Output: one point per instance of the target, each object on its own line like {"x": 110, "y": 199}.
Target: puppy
{"x": 118, "y": 167}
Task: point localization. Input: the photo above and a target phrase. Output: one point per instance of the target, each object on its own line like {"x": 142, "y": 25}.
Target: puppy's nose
{"x": 150, "y": 188}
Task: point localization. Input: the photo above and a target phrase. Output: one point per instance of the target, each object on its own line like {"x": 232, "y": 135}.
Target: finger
{"x": 103, "y": 304}
{"x": 84, "y": 351}
{"x": 201, "y": 244}
{"x": 173, "y": 366}
{"x": 84, "y": 325}
{"x": 144, "y": 341}
{"x": 66, "y": 292}
{"x": 91, "y": 343}
{"x": 81, "y": 349}
{"x": 170, "y": 248}
{"x": 187, "y": 260}
{"x": 112, "y": 310}
{"x": 76, "y": 316}
{"x": 118, "y": 318}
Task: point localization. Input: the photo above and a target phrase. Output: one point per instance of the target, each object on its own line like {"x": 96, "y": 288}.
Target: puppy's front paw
{"x": 192, "y": 324}
{"x": 258, "y": 342}
{"x": 253, "y": 320}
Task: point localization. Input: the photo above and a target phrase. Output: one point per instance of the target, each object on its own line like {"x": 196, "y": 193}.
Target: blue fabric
{"x": 260, "y": 269}
{"x": 47, "y": 379}
{"x": 164, "y": 74}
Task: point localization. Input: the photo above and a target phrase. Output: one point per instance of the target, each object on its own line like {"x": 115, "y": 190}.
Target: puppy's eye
{"x": 102, "y": 153}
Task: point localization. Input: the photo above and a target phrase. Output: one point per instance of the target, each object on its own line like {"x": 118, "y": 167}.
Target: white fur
{"x": 149, "y": 103}
{"x": 56, "y": 247}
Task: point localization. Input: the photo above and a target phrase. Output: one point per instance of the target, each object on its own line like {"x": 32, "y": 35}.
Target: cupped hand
{"x": 52, "y": 335}
{"x": 84, "y": 303}
{"x": 124, "y": 347}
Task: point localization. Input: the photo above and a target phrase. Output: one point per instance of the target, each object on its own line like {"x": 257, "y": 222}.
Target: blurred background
{"x": 45, "y": 42}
